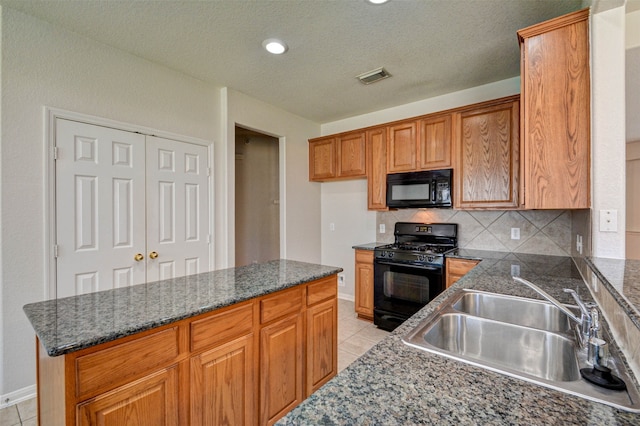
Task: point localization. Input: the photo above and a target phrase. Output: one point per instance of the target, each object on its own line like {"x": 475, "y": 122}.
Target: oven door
{"x": 401, "y": 290}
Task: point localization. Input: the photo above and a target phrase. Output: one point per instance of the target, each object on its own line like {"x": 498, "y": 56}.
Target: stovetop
{"x": 420, "y": 243}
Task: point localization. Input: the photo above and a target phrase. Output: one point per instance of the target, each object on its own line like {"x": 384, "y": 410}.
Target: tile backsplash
{"x": 541, "y": 231}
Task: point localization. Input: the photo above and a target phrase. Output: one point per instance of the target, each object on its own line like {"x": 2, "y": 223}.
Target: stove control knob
{"x": 430, "y": 258}
{"x": 390, "y": 254}
{"x": 421, "y": 257}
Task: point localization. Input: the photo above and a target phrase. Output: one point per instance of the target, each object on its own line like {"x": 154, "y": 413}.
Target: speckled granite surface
{"x": 394, "y": 384}
{"x": 368, "y": 246}
{"x": 623, "y": 276}
{"x": 73, "y": 323}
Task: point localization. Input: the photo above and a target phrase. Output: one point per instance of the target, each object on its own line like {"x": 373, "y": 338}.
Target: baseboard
{"x": 348, "y": 297}
{"x": 18, "y": 396}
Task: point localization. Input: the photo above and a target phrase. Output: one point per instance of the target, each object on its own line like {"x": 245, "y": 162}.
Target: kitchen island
{"x": 242, "y": 344}
{"x": 394, "y": 384}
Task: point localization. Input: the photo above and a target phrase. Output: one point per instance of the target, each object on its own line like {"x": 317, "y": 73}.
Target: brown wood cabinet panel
{"x": 457, "y": 268}
{"x": 402, "y": 147}
{"x": 555, "y": 88}
{"x": 222, "y": 385}
{"x": 322, "y": 344}
{"x": 434, "y": 149}
{"x": 488, "y": 155}
{"x": 364, "y": 284}
{"x": 150, "y": 401}
{"x": 221, "y": 327}
{"x": 351, "y": 155}
{"x": 322, "y": 289}
{"x": 377, "y": 169}
{"x": 281, "y": 304}
{"x": 322, "y": 159}
{"x": 109, "y": 367}
{"x": 281, "y": 381}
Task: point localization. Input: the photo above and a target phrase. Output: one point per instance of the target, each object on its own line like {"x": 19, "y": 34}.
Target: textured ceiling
{"x": 431, "y": 47}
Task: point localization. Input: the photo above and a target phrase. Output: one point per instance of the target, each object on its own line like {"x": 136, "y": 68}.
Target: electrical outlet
{"x": 383, "y": 228}
{"x": 340, "y": 280}
{"x": 579, "y": 244}
{"x": 332, "y": 226}
{"x": 515, "y": 233}
{"x": 608, "y": 220}
{"x": 515, "y": 270}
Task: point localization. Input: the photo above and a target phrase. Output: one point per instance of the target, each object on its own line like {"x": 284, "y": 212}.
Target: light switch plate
{"x": 608, "y": 220}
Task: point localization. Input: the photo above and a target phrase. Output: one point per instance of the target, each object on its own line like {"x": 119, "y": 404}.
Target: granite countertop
{"x": 74, "y": 323}
{"x": 368, "y": 246}
{"x": 623, "y": 276}
{"x": 394, "y": 384}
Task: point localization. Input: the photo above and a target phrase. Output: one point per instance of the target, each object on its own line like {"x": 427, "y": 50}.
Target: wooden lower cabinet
{"x": 223, "y": 384}
{"x": 322, "y": 337}
{"x": 150, "y": 401}
{"x": 281, "y": 381}
{"x": 458, "y": 268}
{"x": 245, "y": 364}
{"x": 364, "y": 284}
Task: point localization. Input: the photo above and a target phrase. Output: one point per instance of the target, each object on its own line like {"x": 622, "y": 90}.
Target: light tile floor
{"x": 355, "y": 337}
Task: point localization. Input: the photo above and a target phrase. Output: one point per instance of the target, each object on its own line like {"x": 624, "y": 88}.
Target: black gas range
{"x": 409, "y": 273}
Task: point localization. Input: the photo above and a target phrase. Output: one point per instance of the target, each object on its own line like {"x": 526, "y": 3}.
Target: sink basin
{"x": 523, "y": 338}
{"x": 513, "y": 310}
{"x": 526, "y": 350}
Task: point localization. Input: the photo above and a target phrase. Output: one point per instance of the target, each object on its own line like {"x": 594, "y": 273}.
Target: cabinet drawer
{"x": 323, "y": 289}
{"x": 460, "y": 266}
{"x": 123, "y": 362}
{"x": 280, "y": 305}
{"x": 221, "y": 327}
{"x": 364, "y": 256}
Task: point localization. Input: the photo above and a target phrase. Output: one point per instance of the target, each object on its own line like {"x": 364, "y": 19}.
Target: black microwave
{"x": 430, "y": 188}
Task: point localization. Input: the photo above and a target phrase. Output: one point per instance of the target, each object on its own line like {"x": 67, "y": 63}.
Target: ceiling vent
{"x": 373, "y": 76}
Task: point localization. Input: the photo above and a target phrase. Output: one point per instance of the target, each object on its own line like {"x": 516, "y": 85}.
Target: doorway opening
{"x": 257, "y": 197}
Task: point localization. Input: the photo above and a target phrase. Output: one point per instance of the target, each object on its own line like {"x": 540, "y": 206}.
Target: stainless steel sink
{"x": 513, "y": 310}
{"x": 521, "y": 338}
{"x": 519, "y": 349}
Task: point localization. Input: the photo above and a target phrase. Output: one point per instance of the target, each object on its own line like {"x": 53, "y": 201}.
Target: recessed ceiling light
{"x": 275, "y": 46}
{"x": 377, "y": 1}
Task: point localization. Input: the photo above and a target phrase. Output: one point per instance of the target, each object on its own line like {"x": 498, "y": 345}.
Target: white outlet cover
{"x": 515, "y": 233}
{"x": 383, "y": 228}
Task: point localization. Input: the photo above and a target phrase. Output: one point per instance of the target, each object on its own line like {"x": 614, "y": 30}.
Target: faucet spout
{"x": 550, "y": 299}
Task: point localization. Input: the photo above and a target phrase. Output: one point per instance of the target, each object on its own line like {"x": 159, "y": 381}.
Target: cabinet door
{"x": 281, "y": 381}
{"x": 556, "y": 113}
{"x": 222, "y": 384}
{"x": 351, "y": 154}
{"x": 488, "y": 156}
{"x": 364, "y": 284}
{"x": 150, "y": 401}
{"x": 322, "y": 344}
{"x": 434, "y": 149}
{"x": 458, "y": 268}
{"x": 377, "y": 169}
{"x": 322, "y": 159}
{"x": 402, "y": 147}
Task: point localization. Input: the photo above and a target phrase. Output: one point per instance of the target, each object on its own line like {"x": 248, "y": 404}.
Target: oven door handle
{"x": 405, "y": 265}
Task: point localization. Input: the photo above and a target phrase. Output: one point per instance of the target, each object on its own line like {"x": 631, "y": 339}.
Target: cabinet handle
{"x": 153, "y": 254}
{"x": 138, "y": 257}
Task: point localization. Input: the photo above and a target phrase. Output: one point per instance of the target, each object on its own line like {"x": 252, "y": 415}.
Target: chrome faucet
{"x": 587, "y": 331}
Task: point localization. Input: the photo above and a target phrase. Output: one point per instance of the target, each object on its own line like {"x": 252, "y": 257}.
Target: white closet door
{"x": 100, "y": 208}
{"x": 177, "y": 209}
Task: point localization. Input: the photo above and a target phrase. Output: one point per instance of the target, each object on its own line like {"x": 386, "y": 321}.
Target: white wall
{"x": 608, "y": 128}
{"x": 299, "y": 198}
{"x": 46, "y": 66}
{"x": 344, "y": 203}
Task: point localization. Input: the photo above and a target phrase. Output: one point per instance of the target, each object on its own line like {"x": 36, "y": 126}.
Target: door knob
{"x": 138, "y": 257}
{"x": 153, "y": 254}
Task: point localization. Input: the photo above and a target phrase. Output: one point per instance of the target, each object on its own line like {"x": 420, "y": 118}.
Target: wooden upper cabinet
{"x": 487, "y": 155}
{"x": 434, "y": 148}
{"x": 401, "y": 147}
{"x": 377, "y": 168}
{"x": 555, "y": 90}
{"x": 351, "y": 155}
{"x": 338, "y": 157}
{"x": 322, "y": 159}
